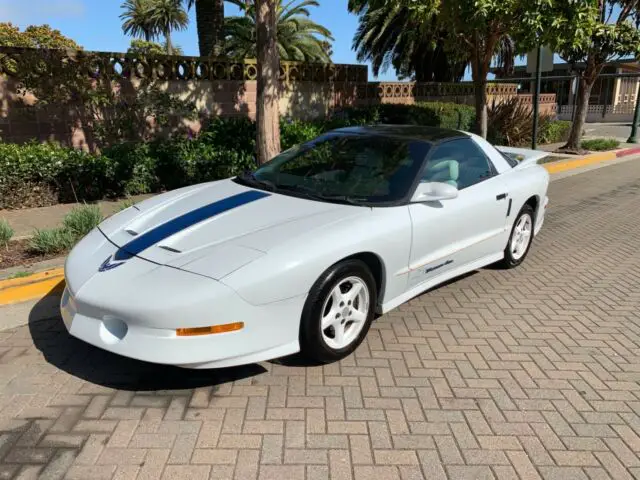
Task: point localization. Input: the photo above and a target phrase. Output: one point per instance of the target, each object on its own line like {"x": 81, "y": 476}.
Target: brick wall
{"x": 224, "y": 88}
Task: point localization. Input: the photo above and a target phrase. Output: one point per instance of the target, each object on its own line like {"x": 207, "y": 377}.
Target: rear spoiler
{"x": 524, "y": 156}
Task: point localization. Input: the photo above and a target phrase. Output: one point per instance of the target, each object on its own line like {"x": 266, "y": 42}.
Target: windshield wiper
{"x": 250, "y": 178}
{"x": 344, "y": 199}
{"x": 308, "y": 193}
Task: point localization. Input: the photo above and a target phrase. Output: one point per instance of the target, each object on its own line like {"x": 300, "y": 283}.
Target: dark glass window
{"x": 461, "y": 163}
{"x": 335, "y": 167}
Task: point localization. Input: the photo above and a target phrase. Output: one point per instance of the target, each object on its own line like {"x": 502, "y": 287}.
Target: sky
{"x": 95, "y": 24}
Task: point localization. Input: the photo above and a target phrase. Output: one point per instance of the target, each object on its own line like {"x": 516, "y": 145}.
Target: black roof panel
{"x": 419, "y": 132}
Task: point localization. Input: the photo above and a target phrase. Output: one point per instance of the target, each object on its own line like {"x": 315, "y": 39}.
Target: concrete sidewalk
{"x": 25, "y": 221}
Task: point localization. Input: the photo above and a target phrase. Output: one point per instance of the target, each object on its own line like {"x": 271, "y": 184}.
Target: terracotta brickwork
{"x": 224, "y": 88}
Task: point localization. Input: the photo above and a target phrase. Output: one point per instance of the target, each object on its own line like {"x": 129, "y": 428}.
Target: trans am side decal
{"x": 165, "y": 230}
{"x": 421, "y": 274}
{"x": 431, "y": 269}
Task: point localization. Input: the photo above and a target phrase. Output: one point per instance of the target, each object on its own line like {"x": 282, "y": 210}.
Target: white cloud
{"x": 35, "y": 12}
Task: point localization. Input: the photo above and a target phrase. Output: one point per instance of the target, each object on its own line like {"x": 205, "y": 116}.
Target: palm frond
{"x": 299, "y": 38}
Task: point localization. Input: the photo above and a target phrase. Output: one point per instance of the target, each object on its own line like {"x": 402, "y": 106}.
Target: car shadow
{"x": 103, "y": 368}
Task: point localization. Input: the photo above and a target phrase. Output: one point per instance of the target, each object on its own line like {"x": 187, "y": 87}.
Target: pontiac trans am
{"x": 302, "y": 252}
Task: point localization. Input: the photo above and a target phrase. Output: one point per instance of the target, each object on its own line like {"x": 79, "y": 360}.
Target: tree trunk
{"x": 479, "y": 70}
{"x": 167, "y": 36}
{"x": 480, "y": 97}
{"x": 480, "y": 90}
{"x": 582, "y": 106}
{"x": 210, "y": 23}
{"x": 267, "y": 112}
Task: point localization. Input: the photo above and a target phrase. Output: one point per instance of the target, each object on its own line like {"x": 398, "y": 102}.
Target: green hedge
{"x": 42, "y": 174}
{"x": 555, "y": 132}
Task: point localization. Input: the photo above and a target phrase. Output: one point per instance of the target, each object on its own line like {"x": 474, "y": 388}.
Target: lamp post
{"x": 536, "y": 101}
{"x": 633, "y": 138}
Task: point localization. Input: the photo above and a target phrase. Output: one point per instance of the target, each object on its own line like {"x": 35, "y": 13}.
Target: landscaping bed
{"x": 18, "y": 254}
{"x": 48, "y": 243}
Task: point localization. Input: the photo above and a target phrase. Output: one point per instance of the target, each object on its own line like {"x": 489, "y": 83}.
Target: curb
{"x": 51, "y": 281}
{"x": 591, "y": 159}
{"x": 35, "y": 286}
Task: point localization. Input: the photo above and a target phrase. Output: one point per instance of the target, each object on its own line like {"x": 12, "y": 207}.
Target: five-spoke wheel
{"x": 338, "y": 311}
{"x": 520, "y": 239}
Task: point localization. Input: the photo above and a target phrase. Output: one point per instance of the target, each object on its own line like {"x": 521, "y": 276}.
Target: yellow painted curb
{"x": 556, "y": 167}
{"x": 34, "y": 286}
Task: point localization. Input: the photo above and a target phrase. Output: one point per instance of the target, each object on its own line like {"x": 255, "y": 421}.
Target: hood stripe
{"x": 173, "y": 226}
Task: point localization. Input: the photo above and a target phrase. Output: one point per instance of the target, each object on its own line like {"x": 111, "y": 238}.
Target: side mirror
{"x": 434, "y": 191}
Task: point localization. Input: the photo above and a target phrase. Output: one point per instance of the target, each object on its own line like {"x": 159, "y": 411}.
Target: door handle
{"x": 502, "y": 196}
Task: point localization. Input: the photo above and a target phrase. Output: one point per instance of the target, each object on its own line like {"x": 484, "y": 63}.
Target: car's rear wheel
{"x": 338, "y": 312}
{"x": 520, "y": 239}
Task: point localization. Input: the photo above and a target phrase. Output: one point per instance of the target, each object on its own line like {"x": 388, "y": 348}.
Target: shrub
{"x": 233, "y": 133}
{"x": 511, "y": 123}
{"x": 72, "y": 174}
{"x": 50, "y": 242}
{"x": 554, "y": 132}
{"x": 600, "y": 144}
{"x": 6, "y": 232}
{"x": 294, "y": 132}
{"x": 81, "y": 220}
{"x": 42, "y": 174}
{"x": 134, "y": 168}
{"x": 429, "y": 114}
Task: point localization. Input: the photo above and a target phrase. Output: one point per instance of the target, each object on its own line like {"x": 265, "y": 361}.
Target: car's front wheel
{"x": 520, "y": 239}
{"x": 338, "y": 312}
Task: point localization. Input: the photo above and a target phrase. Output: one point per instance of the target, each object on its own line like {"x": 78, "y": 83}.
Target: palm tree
{"x": 299, "y": 38}
{"x": 169, "y": 15}
{"x": 389, "y": 35}
{"x": 137, "y": 20}
{"x": 210, "y": 23}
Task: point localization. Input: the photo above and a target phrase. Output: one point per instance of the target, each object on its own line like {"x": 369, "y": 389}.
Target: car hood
{"x": 215, "y": 228}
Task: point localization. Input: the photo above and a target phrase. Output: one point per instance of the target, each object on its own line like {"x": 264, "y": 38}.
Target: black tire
{"x": 312, "y": 342}
{"x": 509, "y": 261}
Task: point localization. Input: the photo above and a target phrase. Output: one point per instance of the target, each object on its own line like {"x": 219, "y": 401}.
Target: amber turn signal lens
{"x": 227, "y": 327}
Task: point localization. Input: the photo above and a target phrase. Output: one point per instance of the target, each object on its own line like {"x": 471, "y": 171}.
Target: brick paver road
{"x": 530, "y": 373}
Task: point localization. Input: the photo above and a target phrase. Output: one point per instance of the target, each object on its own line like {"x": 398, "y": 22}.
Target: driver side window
{"x": 460, "y": 163}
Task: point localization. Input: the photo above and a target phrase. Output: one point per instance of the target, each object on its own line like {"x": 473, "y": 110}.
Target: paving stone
{"x": 531, "y": 373}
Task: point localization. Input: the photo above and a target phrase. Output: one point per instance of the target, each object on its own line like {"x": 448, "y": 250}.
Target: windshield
{"x": 359, "y": 169}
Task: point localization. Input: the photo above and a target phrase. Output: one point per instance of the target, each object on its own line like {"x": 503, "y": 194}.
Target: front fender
{"x": 292, "y": 268}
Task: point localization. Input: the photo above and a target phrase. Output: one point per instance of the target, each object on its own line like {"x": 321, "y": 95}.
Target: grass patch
{"x": 125, "y": 204}
{"x": 21, "y": 274}
{"x": 81, "y": 220}
{"x": 75, "y": 225}
{"x": 49, "y": 242}
{"x": 6, "y": 232}
{"x": 600, "y": 144}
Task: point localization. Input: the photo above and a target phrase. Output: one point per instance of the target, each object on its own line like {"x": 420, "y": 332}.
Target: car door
{"x": 449, "y": 234}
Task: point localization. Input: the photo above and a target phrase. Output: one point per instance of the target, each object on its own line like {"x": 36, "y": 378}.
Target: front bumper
{"x": 135, "y": 309}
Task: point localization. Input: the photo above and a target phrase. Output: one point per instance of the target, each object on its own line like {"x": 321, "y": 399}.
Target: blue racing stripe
{"x": 165, "y": 230}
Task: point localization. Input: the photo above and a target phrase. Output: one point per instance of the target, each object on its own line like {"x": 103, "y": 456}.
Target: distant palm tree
{"x": 169, "y": 15}
{"x": 137, "y": 20}
{"x": 299, "y": 38}
{"x": 210, "y": 23}
{"x": 388, "y": 35}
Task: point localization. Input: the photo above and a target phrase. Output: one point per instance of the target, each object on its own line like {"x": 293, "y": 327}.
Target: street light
{"x": 633, "y": 138}
{"x": 536, "y": 100}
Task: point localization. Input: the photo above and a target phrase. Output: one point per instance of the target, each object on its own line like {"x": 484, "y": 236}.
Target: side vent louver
{"x": 174, "y": 250}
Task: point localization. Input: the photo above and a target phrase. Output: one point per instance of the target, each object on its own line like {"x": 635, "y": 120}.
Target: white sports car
{"x": 300, "y": 254}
